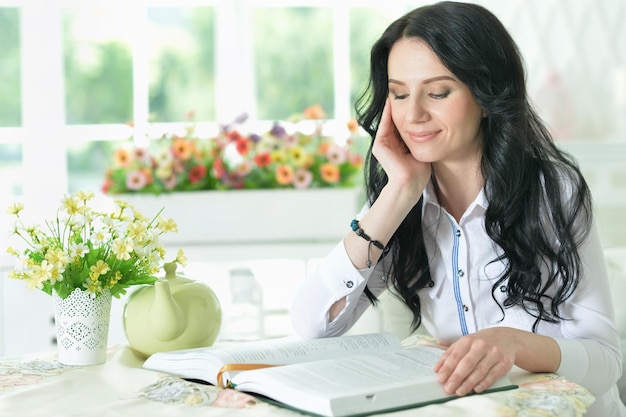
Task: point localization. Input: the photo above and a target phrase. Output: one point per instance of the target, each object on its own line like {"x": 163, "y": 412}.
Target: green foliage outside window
{"x": 366, "y": 25}
{"x": 10, "y": 91}
{"x": 182, "y": 72}
{"x": 294, "y": 60}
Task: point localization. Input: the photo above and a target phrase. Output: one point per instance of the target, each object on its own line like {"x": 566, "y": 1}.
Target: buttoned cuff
{"x": 340, "y": 276}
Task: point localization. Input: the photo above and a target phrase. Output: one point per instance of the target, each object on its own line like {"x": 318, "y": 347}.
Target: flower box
{"x": 254, "y": 216}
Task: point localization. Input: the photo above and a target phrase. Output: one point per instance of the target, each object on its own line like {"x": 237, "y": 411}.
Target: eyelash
{"x": 435, "y": 96}
{"x": 440, "y": 96}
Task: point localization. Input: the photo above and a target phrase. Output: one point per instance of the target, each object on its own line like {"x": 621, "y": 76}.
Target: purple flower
{"x": 278, "y": 131}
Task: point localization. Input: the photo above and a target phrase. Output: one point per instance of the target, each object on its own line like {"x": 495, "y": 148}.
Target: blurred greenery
{"x": 366, "y": 26}
{"x": 182, "y": 73}
{"x": 294, "y": 60}
{"x": 10, "y": 91}
{"x": 101, "y": 91}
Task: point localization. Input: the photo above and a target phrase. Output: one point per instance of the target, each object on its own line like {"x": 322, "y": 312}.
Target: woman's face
{"x": 434, "y": 112}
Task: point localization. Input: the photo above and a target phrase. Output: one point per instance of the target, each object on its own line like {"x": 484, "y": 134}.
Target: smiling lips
{"x": 420, "y": 137}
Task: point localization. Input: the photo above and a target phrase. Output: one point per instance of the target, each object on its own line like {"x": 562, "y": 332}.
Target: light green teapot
{"x": 174, "y": 313}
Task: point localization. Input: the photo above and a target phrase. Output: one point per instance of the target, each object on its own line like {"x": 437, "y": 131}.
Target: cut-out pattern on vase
{"x": 82, "y": 326}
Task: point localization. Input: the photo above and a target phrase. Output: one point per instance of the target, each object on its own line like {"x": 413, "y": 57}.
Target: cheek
{"x": 397, "y": 114}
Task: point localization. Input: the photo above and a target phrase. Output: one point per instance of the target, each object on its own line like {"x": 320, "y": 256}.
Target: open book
{"x": 339, "y": 376}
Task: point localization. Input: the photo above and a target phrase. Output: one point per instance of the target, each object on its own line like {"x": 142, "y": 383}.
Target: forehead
{"x": 413, "y": 59}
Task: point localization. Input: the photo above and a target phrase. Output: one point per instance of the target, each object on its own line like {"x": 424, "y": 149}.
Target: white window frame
{"x": 44, "y": 135}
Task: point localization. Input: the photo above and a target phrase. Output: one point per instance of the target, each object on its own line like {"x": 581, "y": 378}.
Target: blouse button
{"x": 431, "y": 283}
{"x": 460, "y": 272}
{"x": 465, "y": 308}
{"x": 503, "y": 288}
{"x": 349, "y": 284}
{"x": 458, "y": 233}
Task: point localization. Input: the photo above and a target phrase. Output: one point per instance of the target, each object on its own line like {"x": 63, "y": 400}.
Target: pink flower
{"x": 302, "y": 178}
{"x": 230, "y": 398}
{"x": 336, "y": 154}
{"x": 136, "y": 180}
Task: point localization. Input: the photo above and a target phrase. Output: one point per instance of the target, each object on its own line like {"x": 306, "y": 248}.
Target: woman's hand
{"x": 396, "y": 159}
{"x": 476, "y": 361}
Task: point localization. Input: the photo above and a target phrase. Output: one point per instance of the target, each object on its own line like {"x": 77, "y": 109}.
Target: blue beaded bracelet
{"x": 354, "y": 224}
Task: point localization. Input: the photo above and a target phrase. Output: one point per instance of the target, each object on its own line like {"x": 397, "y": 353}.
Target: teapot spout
{"x": 166, "y": 320}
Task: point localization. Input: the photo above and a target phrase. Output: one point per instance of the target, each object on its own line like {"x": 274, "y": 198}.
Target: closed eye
{"x": 399, "y": 96}
{"x": 440, "y": 95}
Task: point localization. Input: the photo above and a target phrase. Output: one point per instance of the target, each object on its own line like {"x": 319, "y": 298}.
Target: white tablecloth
{"x": 39, "y": 385}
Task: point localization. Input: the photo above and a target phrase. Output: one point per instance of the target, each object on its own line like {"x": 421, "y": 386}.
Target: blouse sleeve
{"x": 334, "y": 278}
{"x": 590, "y": 348}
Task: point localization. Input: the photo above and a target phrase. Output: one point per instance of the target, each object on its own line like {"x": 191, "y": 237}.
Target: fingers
{"x": 471, "y": 366}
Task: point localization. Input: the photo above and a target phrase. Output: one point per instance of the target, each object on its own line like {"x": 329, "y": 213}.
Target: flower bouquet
{"x": 84, "y": 257}
{"x": 90, "y": 250}
{"x": 297, "y": 153}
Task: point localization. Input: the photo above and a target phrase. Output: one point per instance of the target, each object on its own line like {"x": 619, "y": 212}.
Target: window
{"x": 10, "y": 111}
{"x": 121, "y": 70}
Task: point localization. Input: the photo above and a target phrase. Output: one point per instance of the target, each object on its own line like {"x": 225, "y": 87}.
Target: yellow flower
{"x": 167, "y": 225}
{"x": 56, "y": 274}
{"x": 117, "y": 249}
{"x": 136, "y": 230}
{"x": 100, "y": 268}
{"x": 71, "y": 204}
{"x": 93, "y": 286}
{"x": 57, "y": 257}
{"x": 279, "y": 156}
{"x": 122, "y": 249}
{"x": 298, "y": 156}
{"x": 181, "y": 258}
{"x": 15, "y": 208}
{"x": 41, "y": 272}
{"x": 85, "y": 196}
{"x": 121, "y": 204}
{"x": 115, "y": 278}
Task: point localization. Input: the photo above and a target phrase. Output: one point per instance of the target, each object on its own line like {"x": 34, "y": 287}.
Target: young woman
{"x": 474, "y": 216}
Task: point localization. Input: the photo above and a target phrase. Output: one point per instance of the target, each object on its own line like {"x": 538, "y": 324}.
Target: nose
{"x": 418, "y": 111}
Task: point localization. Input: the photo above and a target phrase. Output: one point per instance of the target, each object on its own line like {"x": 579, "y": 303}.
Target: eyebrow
{"x": 426, "y": 81}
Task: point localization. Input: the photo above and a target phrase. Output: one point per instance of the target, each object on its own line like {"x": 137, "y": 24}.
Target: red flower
{"x": 243, "y": 145}
{"x": 196, "y": 174}
{"x": 263, "y": 159}
{"x": 219, "y": 170}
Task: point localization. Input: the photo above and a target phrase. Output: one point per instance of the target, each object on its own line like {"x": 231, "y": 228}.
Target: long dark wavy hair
{"x": 539, "y": 203}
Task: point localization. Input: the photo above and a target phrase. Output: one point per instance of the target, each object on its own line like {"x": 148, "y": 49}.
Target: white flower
{"x": 78, "y": 250}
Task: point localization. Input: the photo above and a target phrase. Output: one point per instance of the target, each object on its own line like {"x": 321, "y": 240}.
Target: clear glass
{"x": 294, "y": 60}
{"x": 10, "y": 91}
{"x": 181, "y": 63}
{"x": 98, "y": 65}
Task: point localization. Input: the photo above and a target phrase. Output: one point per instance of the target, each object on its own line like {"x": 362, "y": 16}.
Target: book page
{"x": 356, "y": 372}
{"x": 289, "y": 351}
{"x": 205, "y": 363}
{"x": 355, "y": 384}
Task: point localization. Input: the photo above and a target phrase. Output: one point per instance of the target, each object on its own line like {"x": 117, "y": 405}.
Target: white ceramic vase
{"x": 82, "y": 326}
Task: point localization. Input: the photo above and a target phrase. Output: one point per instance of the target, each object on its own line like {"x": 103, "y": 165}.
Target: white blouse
{"x": 460, "y": 300}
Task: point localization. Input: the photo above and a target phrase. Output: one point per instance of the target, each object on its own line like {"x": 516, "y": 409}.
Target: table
{"x": 38, "y": 385}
